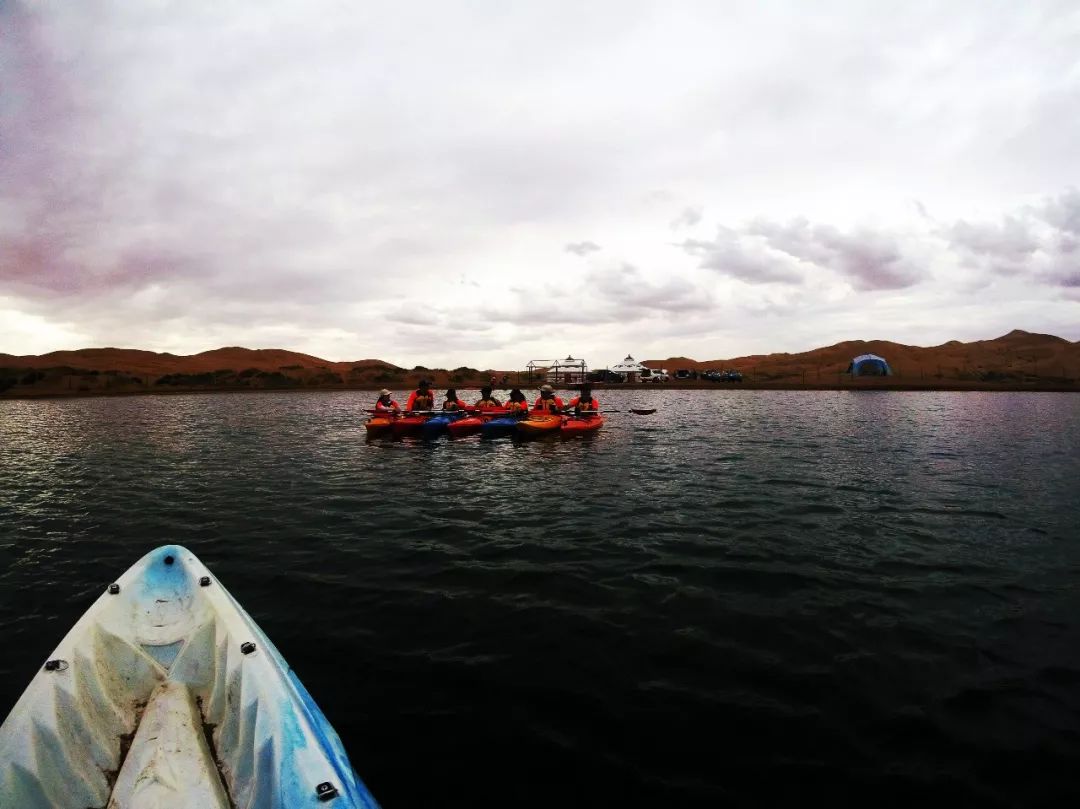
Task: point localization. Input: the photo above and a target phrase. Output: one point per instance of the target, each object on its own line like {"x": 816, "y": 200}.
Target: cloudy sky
{"x": 486, "y": 183}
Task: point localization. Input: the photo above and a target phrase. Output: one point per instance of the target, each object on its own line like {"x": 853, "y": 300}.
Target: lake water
{"x": 749, "y": 597}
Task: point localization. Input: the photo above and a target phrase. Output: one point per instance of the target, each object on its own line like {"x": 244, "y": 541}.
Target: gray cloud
{"x": 746, "y": 261}
{"x": 868, "y": 259}
{"x": 581, "y": 248}
{"x": 689, "y": 217}
{"x": 1004, "y": 247}
{"x": 766, "y": 252}
{"x": 1040, "y": 242}
{"x": 617, "y": 294}
{"x": 171, "y": 174}
{"x": 1063, "y": 212}
{"x": 626, "y": 291}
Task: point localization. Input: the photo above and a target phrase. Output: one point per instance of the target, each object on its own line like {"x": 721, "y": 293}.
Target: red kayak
{"x": 466, "y": 426}
{"x": 582, "y": 426}
{"x": 377, "y": 425}
{"x": 408, "y": 425}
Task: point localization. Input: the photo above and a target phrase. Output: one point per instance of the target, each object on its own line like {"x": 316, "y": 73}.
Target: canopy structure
{"x": 869, "y": 365}
{"x": 628, "y": 366}
{"x": 568, "y": 371}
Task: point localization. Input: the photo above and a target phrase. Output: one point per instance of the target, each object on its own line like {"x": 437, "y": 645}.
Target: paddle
{"x": 420, "y": 412}
{"x": 635, "y": 411}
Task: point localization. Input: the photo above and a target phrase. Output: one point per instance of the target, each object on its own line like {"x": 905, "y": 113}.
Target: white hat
{"x": 546, "y": 389}
{"x": 384, "y": 392}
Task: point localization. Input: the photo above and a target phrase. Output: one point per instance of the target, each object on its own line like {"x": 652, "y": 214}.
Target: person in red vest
{"x": 548, "y": 402}
{"x": 517, "y": 404}
{"x": 487, "y": 401}
{"x": 453, "y": 402}
{"x": 585, "y": 403}
{"x": 422, "y": 398}
{"x": 385, "y": 404}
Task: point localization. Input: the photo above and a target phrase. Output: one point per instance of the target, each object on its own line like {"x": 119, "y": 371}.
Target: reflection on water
{"x": 855, "y": 593}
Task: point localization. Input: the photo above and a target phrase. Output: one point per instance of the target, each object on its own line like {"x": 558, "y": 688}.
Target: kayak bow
{"x": 166, "y": 661}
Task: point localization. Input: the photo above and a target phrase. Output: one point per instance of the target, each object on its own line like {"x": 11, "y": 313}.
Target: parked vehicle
{"x": 716, "y": 375}
{"x": 654, "y": 375}
{"x": 604, "y": 375}
{"x": 685, "y": 373}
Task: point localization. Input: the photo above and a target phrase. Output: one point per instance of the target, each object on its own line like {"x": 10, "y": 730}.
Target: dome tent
{"x": 869, "y": 365}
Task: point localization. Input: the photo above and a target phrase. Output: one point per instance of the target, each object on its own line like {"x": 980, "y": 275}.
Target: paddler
{"x": 487, "y": 401}
{"x": 384, "y": 404}
{"x": 517, "y": 403}
{"x": 422, "y": 398}
{"x": 548, "y": 402}
{"x": 453, "y": 402}
{"x": 585, "y": 403}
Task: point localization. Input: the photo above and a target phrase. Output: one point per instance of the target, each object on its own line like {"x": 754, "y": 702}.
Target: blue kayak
{"x": 498, "y": 427}
{"x": 166, "y": 693}
{"x": 437, "y": 425}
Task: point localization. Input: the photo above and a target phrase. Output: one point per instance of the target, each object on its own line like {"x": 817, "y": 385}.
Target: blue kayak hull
{"x": 164, "y": 660}
{"x": 435, "y": 426}
{"x": 498, "y": 427}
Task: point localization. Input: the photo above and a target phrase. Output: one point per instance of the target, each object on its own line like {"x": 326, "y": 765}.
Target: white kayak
{"x": 166, "y": 695}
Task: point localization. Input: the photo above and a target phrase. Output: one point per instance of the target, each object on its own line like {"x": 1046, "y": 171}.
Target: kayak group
{"x": 490, "y": 417}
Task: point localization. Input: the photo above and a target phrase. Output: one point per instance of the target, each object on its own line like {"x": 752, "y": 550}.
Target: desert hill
{"x": 134, "y": 361}
{"x": 122, "y": 370}
{"x": 1016, "y": 355}
{"x": 1018, "y": 359}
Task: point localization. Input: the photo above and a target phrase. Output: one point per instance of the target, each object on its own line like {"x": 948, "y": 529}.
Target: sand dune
{"x": 1016, "y": 354}
{"x": 1017, "y": 359}
{"x": 134, "y": 361}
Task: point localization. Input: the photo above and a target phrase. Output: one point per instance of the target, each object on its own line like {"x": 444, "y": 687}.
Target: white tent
{"x": 628, "y": 366}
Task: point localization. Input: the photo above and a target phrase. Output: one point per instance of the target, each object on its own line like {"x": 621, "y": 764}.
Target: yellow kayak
{"x": 539, "y": 424}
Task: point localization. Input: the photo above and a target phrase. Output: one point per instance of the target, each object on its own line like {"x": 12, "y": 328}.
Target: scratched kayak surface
{"x": 166, "y": 694}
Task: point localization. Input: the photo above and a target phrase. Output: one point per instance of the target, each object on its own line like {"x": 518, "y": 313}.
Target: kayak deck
{"x": 168, "y": 662}
{"x": 537, "y": 424}
{"x": 584, "y": 425}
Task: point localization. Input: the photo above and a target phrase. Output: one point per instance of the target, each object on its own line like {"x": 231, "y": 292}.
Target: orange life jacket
{"x": 548, "y": 405}
{"x": 588, "y": 404}
{"x": 421, "y": 401}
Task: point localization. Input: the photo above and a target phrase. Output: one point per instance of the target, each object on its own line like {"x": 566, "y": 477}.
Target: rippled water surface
{"x": 749, "y": 597}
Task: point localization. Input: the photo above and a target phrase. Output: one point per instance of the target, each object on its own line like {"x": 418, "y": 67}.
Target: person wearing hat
{"x": 385, "y": 404}
{"x": 585, "y": 402}
{"x": 487, "y": 401}
{"x": 453, "y": 402}
{"x": 422, "y": 398}
{"x": 548, "y": 402}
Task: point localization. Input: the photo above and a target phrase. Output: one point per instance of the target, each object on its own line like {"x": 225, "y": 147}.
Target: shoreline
{"x": 854, "y": 386}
